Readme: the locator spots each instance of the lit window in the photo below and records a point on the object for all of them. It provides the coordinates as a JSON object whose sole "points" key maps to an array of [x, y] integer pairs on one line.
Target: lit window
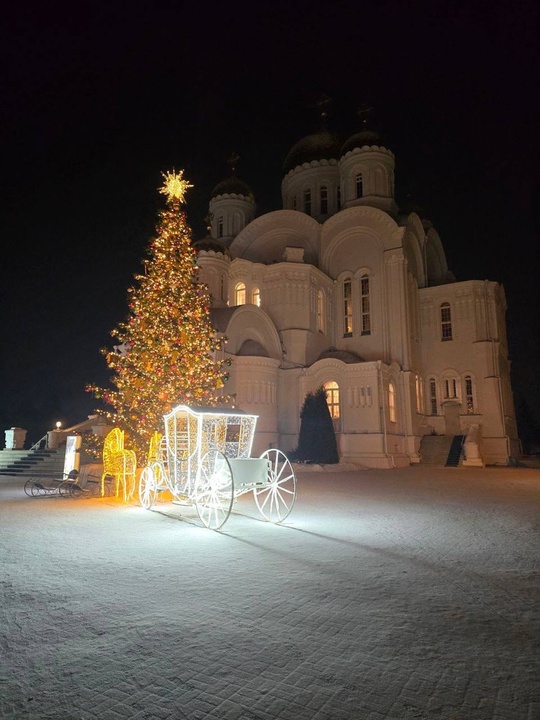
{"points": [[391, 402], [324, 200], [240, 294], [433, 397], [332, 398], [320, 311], [347, 308], [366, 311], [307, 202], [359, 186], [220, 227], [469, 399], [256, 297], [446, 322]]}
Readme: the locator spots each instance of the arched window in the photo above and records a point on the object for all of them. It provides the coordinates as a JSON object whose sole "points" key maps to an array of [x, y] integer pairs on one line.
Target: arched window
{"points": [[446, 322], [332, 398], [433, 397], [240, 294], [391, 402], [222, 287], [419, 403], [359, 186], [321, 325], [469, 397], [339, 198], [256, 297], [307, 202], [347, 307], [294, 206], [220, 227], [365, 305], [324, 200]]}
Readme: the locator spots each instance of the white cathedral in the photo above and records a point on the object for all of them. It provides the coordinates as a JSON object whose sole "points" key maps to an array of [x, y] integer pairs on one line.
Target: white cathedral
{"points": [[340, 289]]}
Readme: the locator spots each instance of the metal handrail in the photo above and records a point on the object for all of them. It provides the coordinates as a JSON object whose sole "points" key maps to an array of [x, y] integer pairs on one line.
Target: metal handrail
{"points": [[39, 446]]}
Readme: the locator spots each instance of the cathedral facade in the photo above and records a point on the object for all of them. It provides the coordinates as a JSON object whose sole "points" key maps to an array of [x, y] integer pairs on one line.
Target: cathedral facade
{"points": [[340, 289]]}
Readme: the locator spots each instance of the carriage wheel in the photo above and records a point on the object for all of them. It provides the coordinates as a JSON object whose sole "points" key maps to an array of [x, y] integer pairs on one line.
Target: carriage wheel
{"points": [[65, 489], [34, 488], [276, 499], [214, 490], [29, 488], [76, 490], [147, 487]]}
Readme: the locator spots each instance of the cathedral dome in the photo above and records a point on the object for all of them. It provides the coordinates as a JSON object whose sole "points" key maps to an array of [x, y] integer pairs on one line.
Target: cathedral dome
{"points": [[210, 244], [322, 145], [366, 136], [232, 186]]}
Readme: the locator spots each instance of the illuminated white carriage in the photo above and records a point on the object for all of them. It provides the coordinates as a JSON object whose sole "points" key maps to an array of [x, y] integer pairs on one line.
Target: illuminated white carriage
{"points": [[204, 459]]}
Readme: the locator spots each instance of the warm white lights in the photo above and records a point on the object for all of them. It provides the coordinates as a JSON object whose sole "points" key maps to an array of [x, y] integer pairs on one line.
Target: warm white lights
{"points": [[175, 186], [205, 460]]}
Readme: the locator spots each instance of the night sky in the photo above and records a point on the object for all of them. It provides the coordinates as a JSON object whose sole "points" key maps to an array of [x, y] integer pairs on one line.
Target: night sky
{"points": [[96, 106]]}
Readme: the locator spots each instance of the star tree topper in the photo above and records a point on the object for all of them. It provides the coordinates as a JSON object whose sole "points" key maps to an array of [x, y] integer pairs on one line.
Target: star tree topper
{"points": [[175, 186]]}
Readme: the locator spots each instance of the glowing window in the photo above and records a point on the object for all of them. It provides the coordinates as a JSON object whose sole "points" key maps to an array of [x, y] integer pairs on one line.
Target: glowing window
{"points": [[446, 322], [365, 304], [359, 186], [320, 311], [469, 399], [332, 398], [347, 308], [307, 202], [256, 297], [433, 397], [324, 200], [392, 402], [240, 294]]}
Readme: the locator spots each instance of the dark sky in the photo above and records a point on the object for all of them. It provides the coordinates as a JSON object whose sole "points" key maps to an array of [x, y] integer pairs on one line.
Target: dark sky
{"points": [[96, 105]]}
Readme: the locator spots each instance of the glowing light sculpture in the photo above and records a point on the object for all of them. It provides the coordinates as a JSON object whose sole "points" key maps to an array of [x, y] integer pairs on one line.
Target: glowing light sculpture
{"points": [[119, 463], [204, 459]]}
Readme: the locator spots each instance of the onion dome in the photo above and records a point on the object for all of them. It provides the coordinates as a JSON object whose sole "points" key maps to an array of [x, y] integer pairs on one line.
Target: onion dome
{"points": [[209, 243], [322, 145], [232, 186], [366, 137]]}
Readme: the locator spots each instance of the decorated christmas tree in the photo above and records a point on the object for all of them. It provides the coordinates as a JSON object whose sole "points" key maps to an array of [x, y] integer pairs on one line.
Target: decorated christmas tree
{"points": [[165, 355]]}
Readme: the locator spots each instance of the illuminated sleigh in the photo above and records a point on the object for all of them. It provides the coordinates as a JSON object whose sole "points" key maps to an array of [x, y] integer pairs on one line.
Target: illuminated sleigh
{"points": [[204, 460]]}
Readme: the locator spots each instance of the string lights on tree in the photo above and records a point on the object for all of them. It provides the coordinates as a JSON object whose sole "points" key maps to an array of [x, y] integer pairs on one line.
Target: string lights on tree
{"points": [[166, 350]]}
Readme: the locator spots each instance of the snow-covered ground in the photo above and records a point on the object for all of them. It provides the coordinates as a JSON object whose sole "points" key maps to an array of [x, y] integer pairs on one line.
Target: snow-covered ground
{"points": [[387, 595]]}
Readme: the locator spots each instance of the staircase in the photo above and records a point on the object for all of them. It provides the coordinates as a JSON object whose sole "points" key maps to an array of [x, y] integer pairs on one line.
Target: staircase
{"points": [[31, 462], [441, 450]]}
